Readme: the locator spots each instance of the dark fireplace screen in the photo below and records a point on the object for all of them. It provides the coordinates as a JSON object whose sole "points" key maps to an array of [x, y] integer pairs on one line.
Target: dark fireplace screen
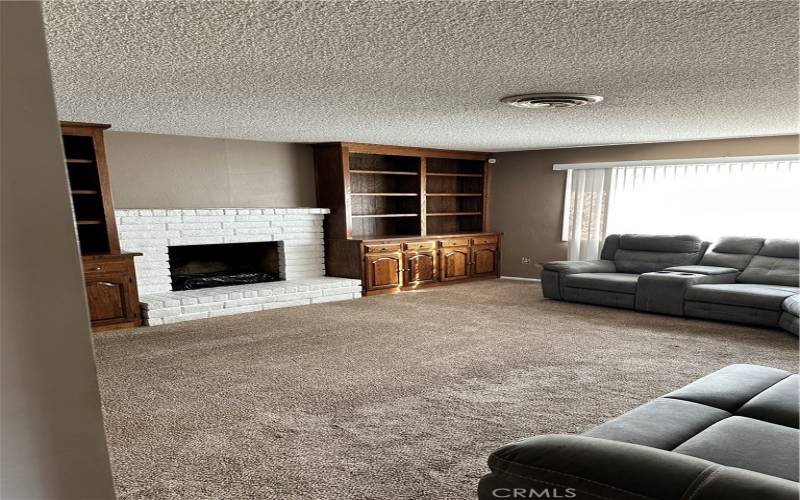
{"points": [[205, 266]]}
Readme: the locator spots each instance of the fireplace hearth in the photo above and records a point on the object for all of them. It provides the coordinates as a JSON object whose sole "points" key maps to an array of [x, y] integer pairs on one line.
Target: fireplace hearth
{"points": [[194, 267]]}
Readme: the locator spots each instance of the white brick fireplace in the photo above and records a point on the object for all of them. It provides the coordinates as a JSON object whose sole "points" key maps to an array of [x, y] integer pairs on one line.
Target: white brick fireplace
{"points": [[298, 232]]}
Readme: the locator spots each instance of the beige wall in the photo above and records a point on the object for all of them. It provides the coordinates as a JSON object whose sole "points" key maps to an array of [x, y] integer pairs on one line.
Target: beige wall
{"points": [[168, 171], [528, 196], [53, 444]]}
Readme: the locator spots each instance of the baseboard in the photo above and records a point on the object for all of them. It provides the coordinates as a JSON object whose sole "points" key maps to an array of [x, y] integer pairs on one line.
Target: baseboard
{"points": [[518, 278]]}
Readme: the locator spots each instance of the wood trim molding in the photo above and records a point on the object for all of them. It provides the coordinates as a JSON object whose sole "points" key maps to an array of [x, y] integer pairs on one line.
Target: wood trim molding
{"points": [[354, 147], [85, 125]]}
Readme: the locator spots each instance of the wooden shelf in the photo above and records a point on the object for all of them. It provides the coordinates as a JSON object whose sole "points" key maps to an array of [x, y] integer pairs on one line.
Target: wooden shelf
{"points": [[84, 191], [434, 174], [454, 194], [384, 194], [446, 214], [399, 191], [88, 222], [375, 216], [80, 160], [383, 172]]}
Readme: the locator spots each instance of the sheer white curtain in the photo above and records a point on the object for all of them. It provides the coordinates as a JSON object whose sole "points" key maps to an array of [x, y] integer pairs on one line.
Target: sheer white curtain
{"points": [[587, 202], [706, 199]]}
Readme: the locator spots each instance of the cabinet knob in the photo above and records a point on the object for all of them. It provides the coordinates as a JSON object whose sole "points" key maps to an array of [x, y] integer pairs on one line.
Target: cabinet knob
{"points": [[98, 268]]}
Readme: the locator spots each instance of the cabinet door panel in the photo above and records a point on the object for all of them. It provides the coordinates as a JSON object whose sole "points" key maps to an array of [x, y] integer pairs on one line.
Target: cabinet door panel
{"points": [[484, 260], [107, 299], [383, 271], [420, 267], [454, 263]]}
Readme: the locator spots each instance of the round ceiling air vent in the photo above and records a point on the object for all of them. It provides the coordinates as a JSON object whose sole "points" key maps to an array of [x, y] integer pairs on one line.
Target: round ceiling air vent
{"points": [[551, 100]]}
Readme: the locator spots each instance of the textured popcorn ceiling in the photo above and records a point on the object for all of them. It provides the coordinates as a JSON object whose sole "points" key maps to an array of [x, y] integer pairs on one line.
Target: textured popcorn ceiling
{"points": [[429, 73]]}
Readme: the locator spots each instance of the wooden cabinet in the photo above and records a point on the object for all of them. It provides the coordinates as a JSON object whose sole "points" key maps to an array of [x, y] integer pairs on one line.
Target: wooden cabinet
{"points": [[109, 274], [420, 267], [484, 260], [383, 271], [455, 263], [111, 291], [107, 299], [403, 218], [391, 266]]}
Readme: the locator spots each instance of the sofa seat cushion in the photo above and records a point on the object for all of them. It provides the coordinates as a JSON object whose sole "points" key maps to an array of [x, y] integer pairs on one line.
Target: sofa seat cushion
{"points": [[663, 423], [748, 444], [779, 404], [610, 282], [768, 297], [730, 388]]}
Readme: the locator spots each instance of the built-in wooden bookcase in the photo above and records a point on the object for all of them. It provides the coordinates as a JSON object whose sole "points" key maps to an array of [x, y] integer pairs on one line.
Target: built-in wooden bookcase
{"points": [[384, 194], [84, 153], [383, 191], [109, 274], [398, 214], [455, 195]]}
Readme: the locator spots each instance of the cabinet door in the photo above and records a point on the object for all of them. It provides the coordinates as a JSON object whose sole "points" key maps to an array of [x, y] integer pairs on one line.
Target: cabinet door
{"points": [[484, 260], [454, 263], [420, 267], [107, 298], [383, 271]]}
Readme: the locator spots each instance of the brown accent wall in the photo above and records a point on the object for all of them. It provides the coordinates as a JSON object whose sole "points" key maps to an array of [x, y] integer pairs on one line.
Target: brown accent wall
{"points": [[170, 171], [528, 196]]}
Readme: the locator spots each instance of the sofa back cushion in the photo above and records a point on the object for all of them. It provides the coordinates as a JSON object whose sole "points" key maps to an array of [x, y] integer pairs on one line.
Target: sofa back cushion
{"points": [[777, 263], [642, 253], [610, 247], [732, 251]]}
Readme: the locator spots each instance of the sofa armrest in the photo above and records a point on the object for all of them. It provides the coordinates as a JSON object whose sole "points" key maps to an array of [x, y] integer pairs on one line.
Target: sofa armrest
{"points": [[552, 272], [580, 266], [585, 468], [707, 270]]}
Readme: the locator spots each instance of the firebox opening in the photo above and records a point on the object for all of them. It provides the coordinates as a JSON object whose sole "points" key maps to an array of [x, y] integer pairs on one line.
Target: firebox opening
{"points": [[205, 266]]}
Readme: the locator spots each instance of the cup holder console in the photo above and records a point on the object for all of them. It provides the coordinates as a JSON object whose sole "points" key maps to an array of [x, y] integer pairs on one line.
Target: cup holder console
{"points": [[663, 291]]}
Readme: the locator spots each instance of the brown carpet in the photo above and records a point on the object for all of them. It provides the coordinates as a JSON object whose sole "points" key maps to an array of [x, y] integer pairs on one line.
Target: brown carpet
{"points": [[390, 397]]}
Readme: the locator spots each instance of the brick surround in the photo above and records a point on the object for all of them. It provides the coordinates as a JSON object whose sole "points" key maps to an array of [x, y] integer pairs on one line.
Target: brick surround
{"points": [[298, 232]]}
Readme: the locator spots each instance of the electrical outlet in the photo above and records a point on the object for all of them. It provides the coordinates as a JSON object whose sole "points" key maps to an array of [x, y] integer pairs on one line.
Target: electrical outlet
{"points": [[526, 260]]}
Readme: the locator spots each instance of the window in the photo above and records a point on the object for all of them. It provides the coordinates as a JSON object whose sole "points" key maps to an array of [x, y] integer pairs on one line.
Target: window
{"points": [[756, 197]]}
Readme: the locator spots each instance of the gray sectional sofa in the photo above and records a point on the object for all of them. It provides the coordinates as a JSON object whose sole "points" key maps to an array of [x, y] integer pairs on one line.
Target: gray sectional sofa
{"points": [[743, 280], [731, 435]]}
